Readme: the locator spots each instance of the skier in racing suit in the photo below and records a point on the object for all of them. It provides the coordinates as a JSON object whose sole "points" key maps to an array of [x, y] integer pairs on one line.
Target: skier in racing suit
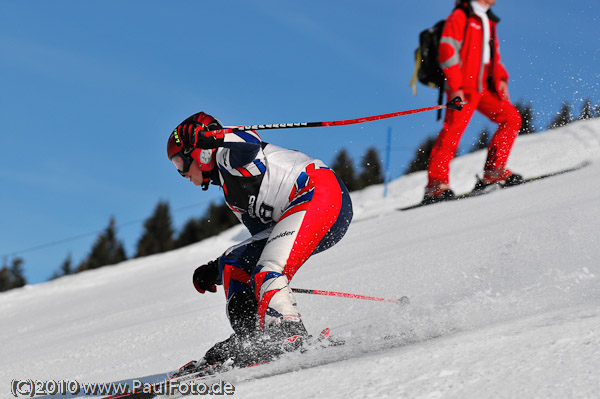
{"points": [[294, 206]]}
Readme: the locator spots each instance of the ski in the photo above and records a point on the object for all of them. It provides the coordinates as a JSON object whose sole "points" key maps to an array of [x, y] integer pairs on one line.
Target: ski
{"points": [[203, 379], [477, 193]]}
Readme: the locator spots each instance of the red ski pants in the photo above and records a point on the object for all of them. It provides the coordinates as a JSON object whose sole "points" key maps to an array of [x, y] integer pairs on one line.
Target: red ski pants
{"points": [[497, 110]]}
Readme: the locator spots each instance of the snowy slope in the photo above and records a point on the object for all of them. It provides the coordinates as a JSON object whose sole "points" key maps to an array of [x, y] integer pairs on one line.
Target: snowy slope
{"points": [[505, 296]]}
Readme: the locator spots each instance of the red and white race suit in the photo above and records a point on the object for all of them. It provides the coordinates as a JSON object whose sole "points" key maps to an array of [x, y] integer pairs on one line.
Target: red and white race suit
{"points": [[293, 205]]}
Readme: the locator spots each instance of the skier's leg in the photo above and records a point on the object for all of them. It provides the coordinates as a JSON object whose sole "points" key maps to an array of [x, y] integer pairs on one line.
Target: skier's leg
{"points": [[446, 144], [318, 216], [235, 267], [508, 119]]}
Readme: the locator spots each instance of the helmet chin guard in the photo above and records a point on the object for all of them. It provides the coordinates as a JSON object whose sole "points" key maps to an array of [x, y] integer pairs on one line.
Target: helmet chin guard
{"points": [[205, 180]]}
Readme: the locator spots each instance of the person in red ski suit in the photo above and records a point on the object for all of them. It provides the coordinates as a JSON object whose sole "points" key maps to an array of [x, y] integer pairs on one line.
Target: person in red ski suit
{"points": [[470, 60], [294, 206]]}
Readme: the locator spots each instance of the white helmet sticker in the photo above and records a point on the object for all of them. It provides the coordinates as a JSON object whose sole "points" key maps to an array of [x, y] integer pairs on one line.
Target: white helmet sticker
{"points": [[206, 156]]}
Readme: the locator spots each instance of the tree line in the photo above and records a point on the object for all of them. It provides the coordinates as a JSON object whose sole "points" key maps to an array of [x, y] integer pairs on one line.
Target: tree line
{"points": [[159, 236]]}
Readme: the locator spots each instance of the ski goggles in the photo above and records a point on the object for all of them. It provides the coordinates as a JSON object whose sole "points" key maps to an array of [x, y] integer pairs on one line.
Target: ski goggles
{"points": [[182, 162]]}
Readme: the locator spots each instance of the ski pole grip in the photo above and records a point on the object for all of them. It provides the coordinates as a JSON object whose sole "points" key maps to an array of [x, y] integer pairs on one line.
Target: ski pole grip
{"points": [[456, 104]]}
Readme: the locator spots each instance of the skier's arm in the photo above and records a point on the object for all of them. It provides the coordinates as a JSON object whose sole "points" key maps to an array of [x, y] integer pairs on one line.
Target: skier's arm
{"points": [[503, 90], [500, 73], [243, 148], [451, 42]]}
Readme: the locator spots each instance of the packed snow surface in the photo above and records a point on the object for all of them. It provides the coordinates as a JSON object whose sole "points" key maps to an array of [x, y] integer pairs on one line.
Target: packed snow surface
{"points": [[504, 290]]}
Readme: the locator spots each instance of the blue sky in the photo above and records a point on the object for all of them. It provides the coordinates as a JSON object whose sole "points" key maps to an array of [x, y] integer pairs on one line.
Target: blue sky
{"points": [[92, 89]]}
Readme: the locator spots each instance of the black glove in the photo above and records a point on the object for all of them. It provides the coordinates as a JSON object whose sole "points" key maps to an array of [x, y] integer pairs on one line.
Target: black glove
{"points": [[191, 131], [206, 277]]}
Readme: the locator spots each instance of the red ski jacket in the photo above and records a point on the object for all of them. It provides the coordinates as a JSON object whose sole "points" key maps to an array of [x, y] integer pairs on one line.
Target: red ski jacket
{"points": [[461, 53]]}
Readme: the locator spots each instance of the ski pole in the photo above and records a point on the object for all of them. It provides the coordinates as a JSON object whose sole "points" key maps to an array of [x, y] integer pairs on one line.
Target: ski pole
{"points": [[456, 104], [402, 301]]}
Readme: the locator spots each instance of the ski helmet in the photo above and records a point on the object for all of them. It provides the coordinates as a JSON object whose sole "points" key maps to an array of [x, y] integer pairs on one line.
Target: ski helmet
{"points": [[182, 156]]}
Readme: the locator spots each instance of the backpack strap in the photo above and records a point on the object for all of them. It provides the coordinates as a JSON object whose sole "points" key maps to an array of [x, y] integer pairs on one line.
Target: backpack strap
{"points": [[413, 80]]}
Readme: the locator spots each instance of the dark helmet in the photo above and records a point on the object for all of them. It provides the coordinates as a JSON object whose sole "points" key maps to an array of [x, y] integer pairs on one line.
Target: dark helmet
{"points": [[181, 156]]}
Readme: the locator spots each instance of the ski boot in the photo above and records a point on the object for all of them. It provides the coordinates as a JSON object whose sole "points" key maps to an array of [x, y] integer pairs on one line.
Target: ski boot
{"points": [[437, 193], [494, 179]]}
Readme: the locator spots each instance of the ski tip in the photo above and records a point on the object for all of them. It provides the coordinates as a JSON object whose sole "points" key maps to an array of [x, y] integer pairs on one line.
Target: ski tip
{"points": [[325, 339], [325, 333]]}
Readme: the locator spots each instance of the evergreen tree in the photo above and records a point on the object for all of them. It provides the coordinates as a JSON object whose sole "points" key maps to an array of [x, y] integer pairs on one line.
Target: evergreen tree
{"points": [[5, 279], [18, 278], [586, 111], [190, 233], [107, 250], [158, 232], [67, 266], [526, 112], [12, 277], [563, 118], [421, 160], [372, 172], [217, 219], [343, 166], [482, 141], [65, 269]]}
